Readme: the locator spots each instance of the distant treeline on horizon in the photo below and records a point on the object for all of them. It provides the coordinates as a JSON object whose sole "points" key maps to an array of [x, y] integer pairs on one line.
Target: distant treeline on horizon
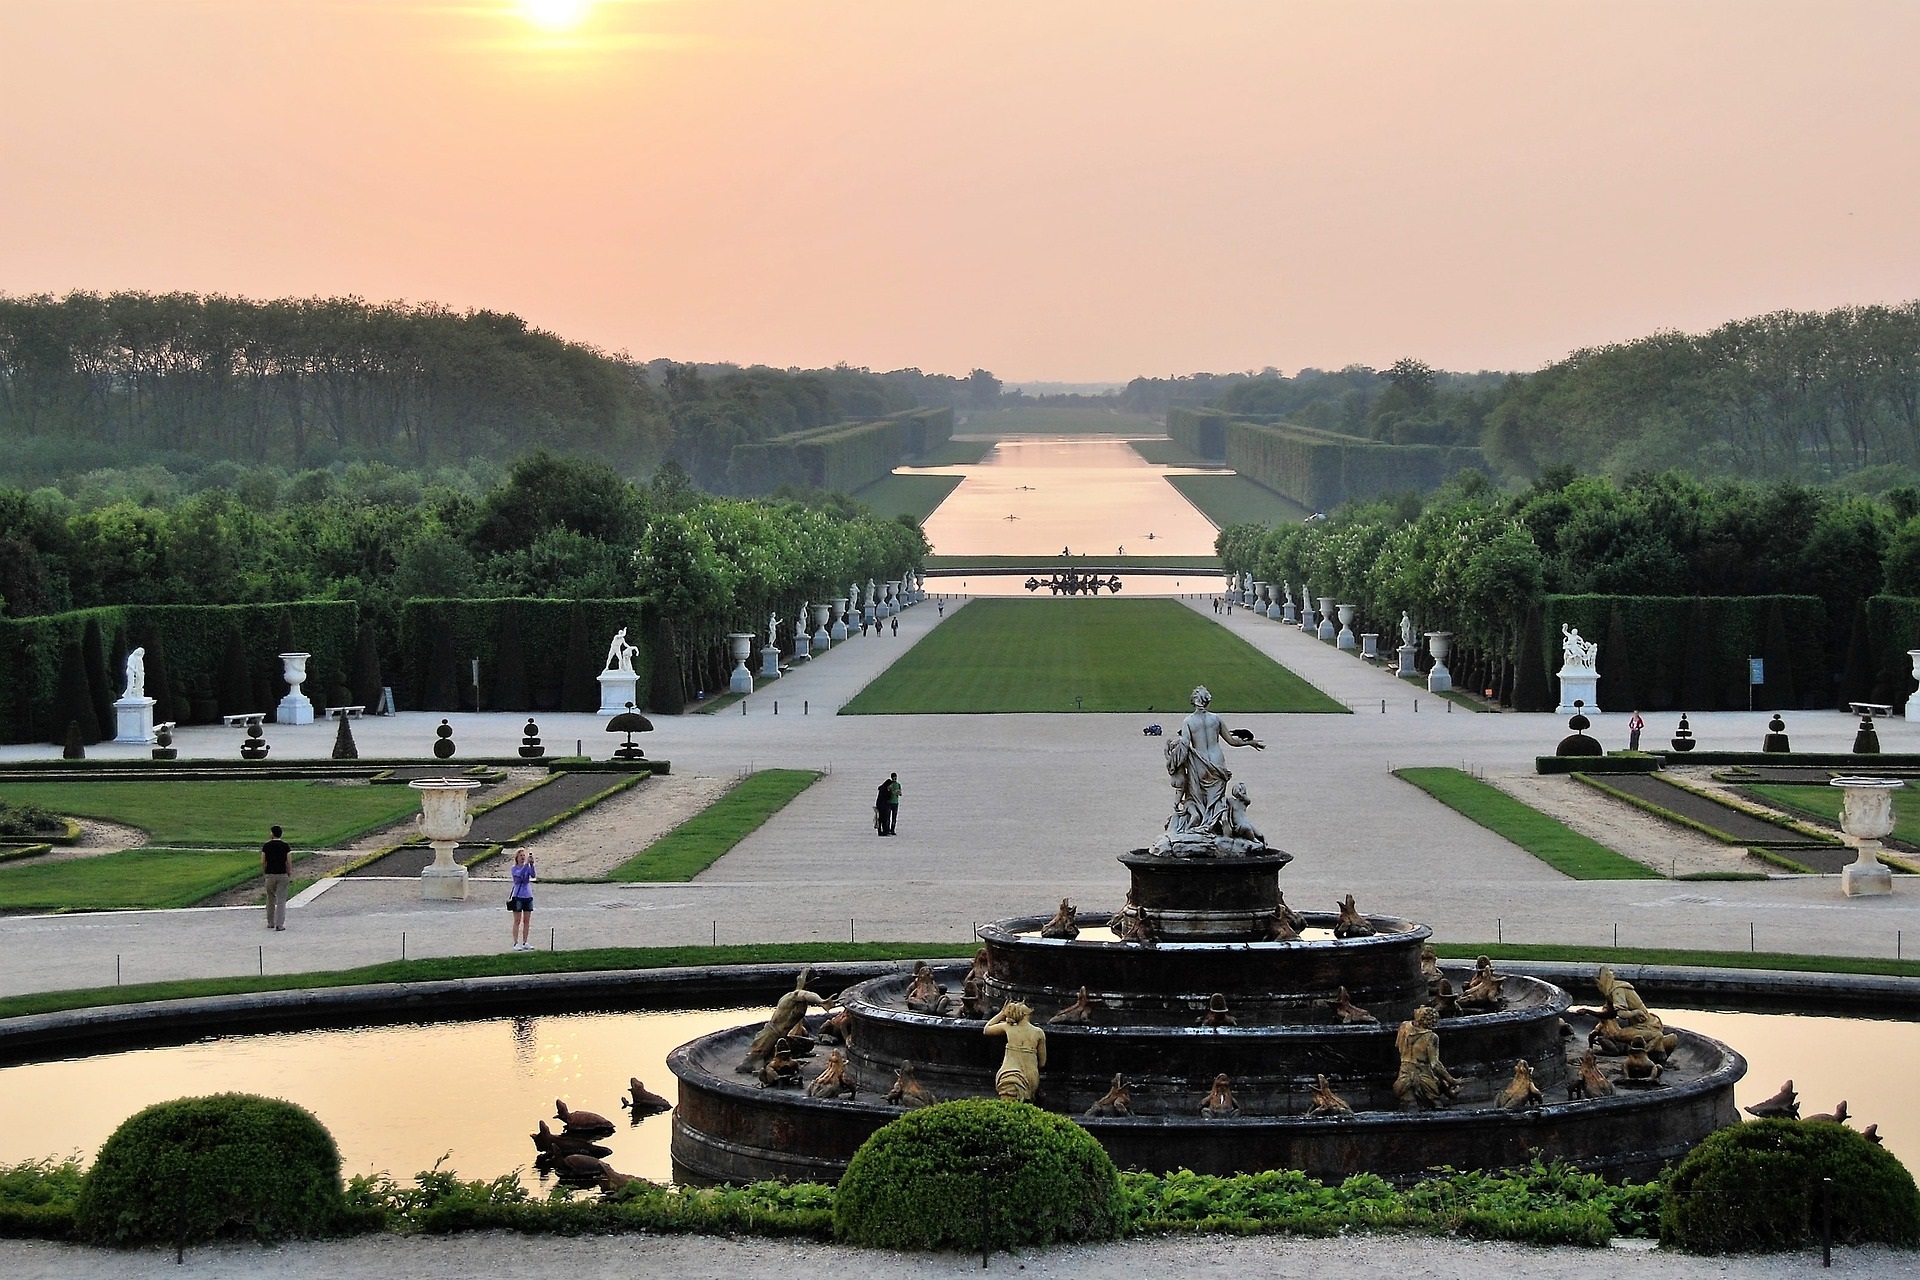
{"points": [[96, 381]]}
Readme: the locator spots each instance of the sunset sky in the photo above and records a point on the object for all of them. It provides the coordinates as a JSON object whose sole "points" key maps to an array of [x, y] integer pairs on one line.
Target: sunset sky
{"points": [[1062, 189]]}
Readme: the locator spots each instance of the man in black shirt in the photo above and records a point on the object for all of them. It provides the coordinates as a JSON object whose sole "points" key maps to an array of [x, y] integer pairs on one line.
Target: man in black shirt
{"points": [[276, 868]]}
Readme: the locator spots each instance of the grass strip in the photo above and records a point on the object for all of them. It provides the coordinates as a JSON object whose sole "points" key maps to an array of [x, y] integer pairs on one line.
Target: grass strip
{"points": [[1679, 958], [703, 839], [592, 960], [212, 815], [1231, 498], [997, 656], [1823, 803], [18, 852], [1546, 838], [1171, 453], [892, 496], [127, 880]]}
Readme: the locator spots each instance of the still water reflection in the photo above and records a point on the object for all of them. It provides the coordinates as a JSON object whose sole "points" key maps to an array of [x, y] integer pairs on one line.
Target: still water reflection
{"points": [[1093, 494], [397, 1098]]}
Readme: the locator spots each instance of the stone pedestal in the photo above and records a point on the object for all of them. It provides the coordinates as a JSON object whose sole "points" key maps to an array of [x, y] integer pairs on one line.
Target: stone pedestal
{"points": [[770, 663], [1289, 614], [1327, 629], [822, 639], [133, 720], [294, 708], [617, 689], [1578, 684], [1439, 680], [1407, 667], [741, 681], [1345, 639], [1370, 645], [1275, 613], [802, 646], [838, 631], [1866, 815], [1912, 710], [443, 819]]}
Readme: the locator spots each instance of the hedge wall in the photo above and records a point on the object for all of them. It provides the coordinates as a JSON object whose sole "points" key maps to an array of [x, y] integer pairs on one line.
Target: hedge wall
{"points": [[843, 456], [1322, 469], [192, 638], [1201, 432], [1689, 653], [1893, 627], [562, 643]]}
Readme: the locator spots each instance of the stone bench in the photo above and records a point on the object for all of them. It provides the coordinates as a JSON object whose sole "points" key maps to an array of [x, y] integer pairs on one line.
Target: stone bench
{"points": [[346, 713], [242, 721]]}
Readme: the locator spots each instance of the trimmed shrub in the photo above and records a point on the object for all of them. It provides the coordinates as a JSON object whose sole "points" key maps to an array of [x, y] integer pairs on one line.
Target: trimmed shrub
{"points": [[29, 820], [1756, 1188], [197, 1169], [100, 685], [37, 1197], [938, 1178]]}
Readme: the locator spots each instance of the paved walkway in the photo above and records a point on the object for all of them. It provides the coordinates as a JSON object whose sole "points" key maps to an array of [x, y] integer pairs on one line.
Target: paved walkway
{"points": [[1002, 815]]}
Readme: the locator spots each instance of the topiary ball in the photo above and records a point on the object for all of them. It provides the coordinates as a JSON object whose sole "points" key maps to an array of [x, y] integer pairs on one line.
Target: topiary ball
{"points": [[937, 1178], [195, 1169], [1756, 1188]]}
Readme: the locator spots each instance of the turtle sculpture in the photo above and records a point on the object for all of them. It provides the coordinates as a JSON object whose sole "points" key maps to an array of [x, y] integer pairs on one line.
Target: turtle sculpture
{"points": [[1836, 1116], [1784, 1105], [1351, 923], [641, 1101], [782, 1070], [581, 1123]]}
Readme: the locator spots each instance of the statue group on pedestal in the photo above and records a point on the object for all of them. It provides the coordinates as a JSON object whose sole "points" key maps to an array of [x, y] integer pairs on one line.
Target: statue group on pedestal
{"points": [[1209, 814]]}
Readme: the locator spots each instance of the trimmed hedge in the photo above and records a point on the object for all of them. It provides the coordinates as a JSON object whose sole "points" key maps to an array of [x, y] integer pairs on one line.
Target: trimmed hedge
{"points": [[1689, 653], [562, 643], [194, 638], [939, 1177], [1323, 469], [198, 1169], [1756, 1188], [842, 456], [1893, 627], [1201, 432]]}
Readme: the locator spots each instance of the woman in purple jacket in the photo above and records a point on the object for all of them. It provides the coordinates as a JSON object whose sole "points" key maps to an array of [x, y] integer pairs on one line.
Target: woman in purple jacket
{"points": [[520, 900]]}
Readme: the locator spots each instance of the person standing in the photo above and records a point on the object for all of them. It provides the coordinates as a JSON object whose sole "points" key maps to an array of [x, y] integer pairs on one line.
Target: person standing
{"points": [[880, 808], [1634, 726], [896, 626], [276, 869], [892, 792], [520, 900]]}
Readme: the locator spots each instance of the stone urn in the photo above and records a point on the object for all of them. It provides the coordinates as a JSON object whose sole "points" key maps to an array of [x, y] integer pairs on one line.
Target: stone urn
{"points": [[1912, 709], [1258, 600], [742, 679], [1866, 815], [295, 708], [1327, 631], [837, 628], [1345, 638], [1439, 680], [822, 638], [443, 819], [1274, 612]]}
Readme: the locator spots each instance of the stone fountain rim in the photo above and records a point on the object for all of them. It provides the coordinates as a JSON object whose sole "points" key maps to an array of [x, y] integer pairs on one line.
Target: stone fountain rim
{"points": [[445, 784], [1882, 784], [1389, 931]]}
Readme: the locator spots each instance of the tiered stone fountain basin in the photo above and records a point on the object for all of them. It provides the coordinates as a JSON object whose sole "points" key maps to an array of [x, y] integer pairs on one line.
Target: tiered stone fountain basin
{"points": [[1211, 915]]}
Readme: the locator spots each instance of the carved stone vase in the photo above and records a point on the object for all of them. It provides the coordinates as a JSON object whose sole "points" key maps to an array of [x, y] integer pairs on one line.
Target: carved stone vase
{"points": [[1439, 680], [837, 630], [742, 679], [443, 819], [1345, 639], [295, 708], [1866, 815], [1327, 630]]}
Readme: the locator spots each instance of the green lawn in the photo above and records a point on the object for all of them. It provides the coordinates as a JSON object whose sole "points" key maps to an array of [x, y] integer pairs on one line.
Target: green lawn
{"points": [[132, 879], [1171, 453], [1548, 839], [1824, 802], [916, 496], [211, 814], [703, 839], [1035, 420], [1234, 499], [1112, 655]]}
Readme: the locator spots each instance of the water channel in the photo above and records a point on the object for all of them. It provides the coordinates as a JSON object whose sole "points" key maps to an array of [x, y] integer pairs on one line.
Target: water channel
{"points": [[397, 1098]]}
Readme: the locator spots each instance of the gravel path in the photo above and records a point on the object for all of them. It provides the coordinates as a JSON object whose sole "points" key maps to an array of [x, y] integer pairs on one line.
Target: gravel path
{"points": [[616, 829], [697, 1258], [1665, 846]]}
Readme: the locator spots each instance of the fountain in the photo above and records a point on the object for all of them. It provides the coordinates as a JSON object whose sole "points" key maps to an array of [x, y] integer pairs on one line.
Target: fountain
{"points": [[1206, 981], [443, 819]]}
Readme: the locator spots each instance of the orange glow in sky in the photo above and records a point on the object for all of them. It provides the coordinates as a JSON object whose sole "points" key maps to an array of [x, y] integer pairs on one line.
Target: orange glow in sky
{"points": [[1077, 189]]}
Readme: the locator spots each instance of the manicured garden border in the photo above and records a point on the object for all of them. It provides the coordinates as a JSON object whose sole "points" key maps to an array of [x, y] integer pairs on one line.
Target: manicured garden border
{"points": [[1545, 837], [706, 837], [1660, 811]]}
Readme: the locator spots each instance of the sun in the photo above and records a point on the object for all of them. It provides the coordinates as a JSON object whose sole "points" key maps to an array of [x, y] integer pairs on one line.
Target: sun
{"points": [[556, 15]]}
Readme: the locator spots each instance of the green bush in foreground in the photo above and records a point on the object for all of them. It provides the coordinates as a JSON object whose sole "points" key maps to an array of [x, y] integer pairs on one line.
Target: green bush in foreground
{"points": [[1756, 1188], [37, 1197], [939, 1178], [196, 1169]]}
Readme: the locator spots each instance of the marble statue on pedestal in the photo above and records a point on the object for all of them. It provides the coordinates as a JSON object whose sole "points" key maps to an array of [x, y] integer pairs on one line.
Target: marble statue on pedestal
{"points": [[1579, 673], [1208, 816], [619, 684], [133, 713], [620, 653]]}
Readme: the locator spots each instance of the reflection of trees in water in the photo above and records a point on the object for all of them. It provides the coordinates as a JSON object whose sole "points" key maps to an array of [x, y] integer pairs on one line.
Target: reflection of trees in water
{"points": [[526, 1044]]}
